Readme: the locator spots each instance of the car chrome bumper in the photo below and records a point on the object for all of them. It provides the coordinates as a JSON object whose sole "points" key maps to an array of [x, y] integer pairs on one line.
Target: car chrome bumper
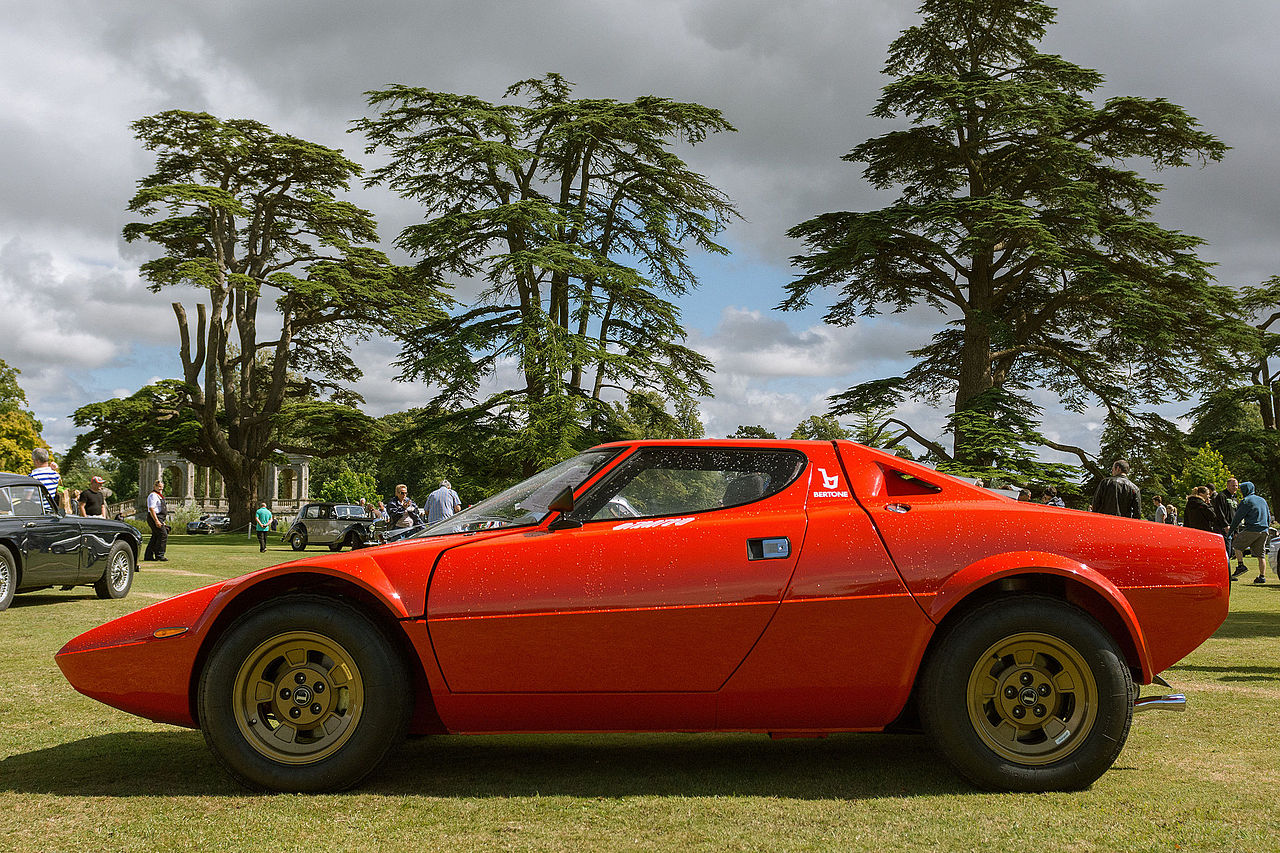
{"points": [[1167, 702]]}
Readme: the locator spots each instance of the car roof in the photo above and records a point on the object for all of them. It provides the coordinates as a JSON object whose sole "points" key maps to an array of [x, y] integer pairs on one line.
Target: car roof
{"points": [[8, 479]]}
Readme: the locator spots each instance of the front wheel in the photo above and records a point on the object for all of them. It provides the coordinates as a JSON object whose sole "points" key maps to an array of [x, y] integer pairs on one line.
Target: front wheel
{"points": [[8, 578], [1028, 694], [303, 694], [117, 578], [298, 541]]}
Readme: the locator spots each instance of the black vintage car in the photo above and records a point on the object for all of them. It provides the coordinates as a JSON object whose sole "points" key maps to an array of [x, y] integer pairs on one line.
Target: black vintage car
{"points": [[40, 547], [209, 524], [331, 524]]}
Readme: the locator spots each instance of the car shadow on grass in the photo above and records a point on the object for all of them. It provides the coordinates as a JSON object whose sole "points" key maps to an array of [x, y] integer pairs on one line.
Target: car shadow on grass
{"points": [[1245, 624], [847, 767], [1236, 673]]}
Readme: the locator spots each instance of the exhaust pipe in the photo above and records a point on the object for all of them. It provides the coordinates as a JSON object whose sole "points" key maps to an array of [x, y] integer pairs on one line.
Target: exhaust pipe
{"points": [[1168, 702], [1171, 702]]}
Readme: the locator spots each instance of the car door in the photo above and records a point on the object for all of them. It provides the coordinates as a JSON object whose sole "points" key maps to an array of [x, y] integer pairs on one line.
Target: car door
{"points": [[49, 542], [679, 562]]}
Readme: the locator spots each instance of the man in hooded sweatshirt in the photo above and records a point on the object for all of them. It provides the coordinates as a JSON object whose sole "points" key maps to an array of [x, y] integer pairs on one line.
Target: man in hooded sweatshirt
{"points": [[1249, 531]]}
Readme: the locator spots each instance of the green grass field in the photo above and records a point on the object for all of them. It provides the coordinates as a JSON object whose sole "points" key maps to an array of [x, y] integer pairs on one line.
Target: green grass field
{"points": [[77, 775]]}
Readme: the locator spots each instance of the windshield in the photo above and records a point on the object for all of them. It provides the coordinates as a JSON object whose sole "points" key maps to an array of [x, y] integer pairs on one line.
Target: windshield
{"points": [[524, 504]]}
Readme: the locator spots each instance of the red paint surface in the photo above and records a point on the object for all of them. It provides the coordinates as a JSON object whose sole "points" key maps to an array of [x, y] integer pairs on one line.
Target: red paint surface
{"points": [[660, 629]]}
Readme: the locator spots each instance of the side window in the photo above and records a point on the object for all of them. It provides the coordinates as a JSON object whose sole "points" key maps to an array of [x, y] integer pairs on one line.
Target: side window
{"points": [[6, 506], [312, 511], [28, 501], [676, 481]]}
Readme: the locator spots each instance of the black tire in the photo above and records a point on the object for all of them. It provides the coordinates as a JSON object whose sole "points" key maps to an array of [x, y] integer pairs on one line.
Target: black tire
{"points": [[117, 577], [298, 540], [8, 577], [356, 708], [335, 546], [353, 541], [1028, 694]]}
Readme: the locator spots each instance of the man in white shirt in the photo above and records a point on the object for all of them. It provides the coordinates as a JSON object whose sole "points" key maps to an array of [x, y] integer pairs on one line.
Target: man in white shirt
{"points": [[156, 514]]}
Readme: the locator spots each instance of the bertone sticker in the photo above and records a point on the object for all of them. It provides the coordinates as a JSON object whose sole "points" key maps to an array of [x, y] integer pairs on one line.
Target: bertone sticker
{"points": [[830, 486], [653, 522]]}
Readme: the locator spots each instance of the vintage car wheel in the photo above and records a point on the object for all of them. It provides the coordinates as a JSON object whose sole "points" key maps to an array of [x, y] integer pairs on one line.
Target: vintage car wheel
{"points": [[1028, 694], [298, 541], [303, 694], [353, 541], [117, 578], [8, 578], [335, 546]]}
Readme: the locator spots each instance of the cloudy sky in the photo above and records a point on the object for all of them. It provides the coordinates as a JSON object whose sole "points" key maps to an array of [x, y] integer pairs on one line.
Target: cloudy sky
{"points": [[797, 79]]}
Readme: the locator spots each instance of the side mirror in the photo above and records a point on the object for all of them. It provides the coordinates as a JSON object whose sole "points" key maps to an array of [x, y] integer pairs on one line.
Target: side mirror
{"points": [[562, 502]]}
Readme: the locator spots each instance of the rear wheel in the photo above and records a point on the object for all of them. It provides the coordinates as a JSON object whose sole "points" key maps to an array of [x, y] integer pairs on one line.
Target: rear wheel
{"points": [[117, 578], [1028, 694], [8, 577], [303, 694], [298, 540]]}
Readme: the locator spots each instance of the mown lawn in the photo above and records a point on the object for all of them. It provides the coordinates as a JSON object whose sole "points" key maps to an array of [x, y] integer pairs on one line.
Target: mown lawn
{"points": [[77, 775]]}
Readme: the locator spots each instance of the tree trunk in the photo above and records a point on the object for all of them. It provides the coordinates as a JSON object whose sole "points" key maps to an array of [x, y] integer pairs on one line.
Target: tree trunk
{"points": [[974, 378], [242, 494]]}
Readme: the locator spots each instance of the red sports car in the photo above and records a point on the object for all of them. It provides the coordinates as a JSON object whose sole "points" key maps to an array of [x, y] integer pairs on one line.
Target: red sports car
{"points": [[791, 588]]}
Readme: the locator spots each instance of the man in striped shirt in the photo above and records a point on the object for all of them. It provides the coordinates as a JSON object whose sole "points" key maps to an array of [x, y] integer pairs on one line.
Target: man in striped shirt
{"points": [[45, 473]]}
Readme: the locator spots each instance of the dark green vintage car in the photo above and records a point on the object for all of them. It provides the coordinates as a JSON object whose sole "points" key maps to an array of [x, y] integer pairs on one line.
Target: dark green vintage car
{"points": [[40, 547]]}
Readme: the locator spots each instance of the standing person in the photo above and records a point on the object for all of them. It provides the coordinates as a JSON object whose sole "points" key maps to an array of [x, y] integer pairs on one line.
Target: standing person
{"points": [[402, 511], [93, 502], [1249, 531], [157, 512], [1225, 503], [261, 524], [442, 503], [1198, 514], [1117, 494], [1170, 514], [46, 472], [1051, 497], [1161, 514]]}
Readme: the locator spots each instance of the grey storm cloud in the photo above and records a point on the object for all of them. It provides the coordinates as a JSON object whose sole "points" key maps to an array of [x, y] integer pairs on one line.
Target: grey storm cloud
{"points": [[797, 79]]}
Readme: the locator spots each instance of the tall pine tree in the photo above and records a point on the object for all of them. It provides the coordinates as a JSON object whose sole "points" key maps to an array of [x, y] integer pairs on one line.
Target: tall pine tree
{"points": [[1021, 220]]}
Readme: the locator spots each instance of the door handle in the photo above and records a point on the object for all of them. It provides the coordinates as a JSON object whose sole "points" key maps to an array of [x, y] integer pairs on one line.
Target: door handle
{"points": [[898, 507], [770, 548], [29, 524]]}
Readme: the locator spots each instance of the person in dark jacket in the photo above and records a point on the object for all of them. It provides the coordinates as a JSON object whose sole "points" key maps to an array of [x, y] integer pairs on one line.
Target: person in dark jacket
{"points": [[1198, 514], [1249, 528], [1224, 505], [1117, 494]]}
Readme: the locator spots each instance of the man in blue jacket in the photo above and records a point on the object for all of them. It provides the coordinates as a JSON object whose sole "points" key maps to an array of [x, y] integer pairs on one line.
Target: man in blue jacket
{"points": [[1249, 531]]}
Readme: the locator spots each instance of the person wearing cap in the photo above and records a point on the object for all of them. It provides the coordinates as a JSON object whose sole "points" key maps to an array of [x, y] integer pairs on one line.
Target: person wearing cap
{"points": [[93, 501]]}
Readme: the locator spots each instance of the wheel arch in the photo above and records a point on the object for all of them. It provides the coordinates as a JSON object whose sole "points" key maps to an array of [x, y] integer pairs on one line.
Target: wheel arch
{"points": [[1074, 584], [324, 586], [17, 561], [128, 540]]}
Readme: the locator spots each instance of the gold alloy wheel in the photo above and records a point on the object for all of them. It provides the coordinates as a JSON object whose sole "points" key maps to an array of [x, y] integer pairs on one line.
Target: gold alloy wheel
{"points": [[298, 697], [1032, 698]]}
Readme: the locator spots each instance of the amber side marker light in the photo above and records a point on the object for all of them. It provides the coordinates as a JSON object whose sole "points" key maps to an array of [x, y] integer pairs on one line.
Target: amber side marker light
{"points": [[162, 633]]}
